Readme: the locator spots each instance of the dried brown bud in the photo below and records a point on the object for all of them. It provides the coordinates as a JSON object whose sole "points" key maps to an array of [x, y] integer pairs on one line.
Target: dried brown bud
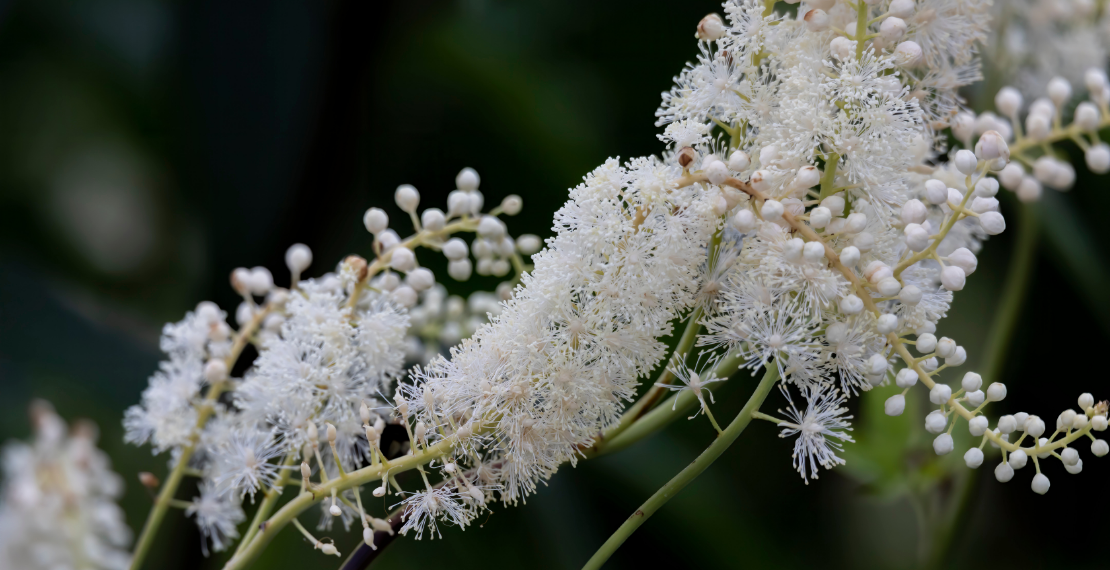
{"points": [[358, 264], [686, 156], [149, 480]]}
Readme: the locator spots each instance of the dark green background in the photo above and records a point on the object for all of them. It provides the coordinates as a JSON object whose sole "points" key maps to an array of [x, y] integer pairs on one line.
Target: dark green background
{"points": [[246, 126]]}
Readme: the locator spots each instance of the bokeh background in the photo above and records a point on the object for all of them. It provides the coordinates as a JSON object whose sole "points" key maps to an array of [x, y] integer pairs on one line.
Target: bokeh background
{"points": [[148, 147]]}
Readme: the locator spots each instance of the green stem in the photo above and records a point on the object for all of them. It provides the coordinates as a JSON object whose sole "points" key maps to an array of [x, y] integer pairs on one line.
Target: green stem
{"points": [[828, 179], [684, 477]]}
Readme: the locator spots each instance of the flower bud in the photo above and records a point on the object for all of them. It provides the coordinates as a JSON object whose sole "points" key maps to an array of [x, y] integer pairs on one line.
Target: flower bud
{"points": [[1040, 483], [1008, 101], [943, 444], [935, 422], [849, 256], [716, 172], [1087, 116], [917, 237], [851, 305], [297, 258], [953, 278], [973, 457], [1098, 158], [817, 20], [772, 210], [215, 370], [940, 394], [910, 295], [1018, 459], [964, 259], [895, 405], [1059, 90], [908, 54], [892, 29], [1100, 448], [888, 287], [992, 146], [914, 212], [710, 28], [407, 198], [1003, 472], [977, 426], [906, 378], [1011, 176], [966, 162], [936, 192], [842, 48], [375, 220], [467, 179]]}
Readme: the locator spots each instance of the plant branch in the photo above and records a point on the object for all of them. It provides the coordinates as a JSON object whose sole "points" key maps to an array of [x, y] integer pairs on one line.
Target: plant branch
{"points": [[684, 477]]}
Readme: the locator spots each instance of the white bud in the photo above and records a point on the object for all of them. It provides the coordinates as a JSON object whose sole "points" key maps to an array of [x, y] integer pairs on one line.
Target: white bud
{"points": [[215, 370], [940, 394], [910, 295], [817, 20], [420, 279], [792, 249], [1011, 176], [966, 162], [971, 382], [936, 192], [1098, 158], [312, 433], [512, 205], [935, 422], [1100, 448], [930, 364], [986, 187], [1040, 481], [973, 457], [1008, 101], [1018, 459], [943, 444], [877, 364], [917, 237], [835, 204], [717, 172], [405, 296], [926, 343], [402, 259], [1099, 423], [407, 198], [1003, 472], [328, 549], [964, 259], [889, 287], [813, 251], [842, 48], [388, 239], [851, 305], [953, 278], [1074, 469], [1059, 90], [902, 8], [455, 249], [992, 222], [895, 405], [379, 491], [907, 54], [1034, 426], [467, 179], [808, 176], [976, 397], [1095, 79], [297, 258], [491, 227], [857, 222], [958, 357], [772, 210], [819, 217], [460, 269], [977, 426], [963, 126], [946, 347], [1086, 401], [739, 161], [335, 510], [528, 244], [1087, 116], [1007, 424], [906, 378], [914, 212], [849, 256], [375, 220], [1080, 421], [892, 29], [744, 221], [992, 146], [710, 28], [1070, 456], [1029, 190], [1038, 125]]}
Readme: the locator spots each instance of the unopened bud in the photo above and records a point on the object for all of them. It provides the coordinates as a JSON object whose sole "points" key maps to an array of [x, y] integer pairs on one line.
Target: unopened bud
{"points": [[149, 480], [686, 157], [710, 28]]}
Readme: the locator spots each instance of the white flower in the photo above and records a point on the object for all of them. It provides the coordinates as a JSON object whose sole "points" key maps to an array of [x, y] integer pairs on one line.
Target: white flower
{"points": [[428, 508], [217, 516], [821, 429], [692, 381]]}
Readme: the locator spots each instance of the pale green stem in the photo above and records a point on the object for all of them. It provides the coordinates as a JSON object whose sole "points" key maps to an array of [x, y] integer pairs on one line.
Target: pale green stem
{"points": [[684, 477]]}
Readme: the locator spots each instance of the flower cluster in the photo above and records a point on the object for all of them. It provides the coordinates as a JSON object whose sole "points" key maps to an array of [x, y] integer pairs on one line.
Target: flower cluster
{"points": [[58, 501], [807, 217]]}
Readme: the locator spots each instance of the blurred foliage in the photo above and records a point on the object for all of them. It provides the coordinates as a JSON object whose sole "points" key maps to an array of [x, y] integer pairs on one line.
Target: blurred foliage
{"points": [[147, 147]]}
